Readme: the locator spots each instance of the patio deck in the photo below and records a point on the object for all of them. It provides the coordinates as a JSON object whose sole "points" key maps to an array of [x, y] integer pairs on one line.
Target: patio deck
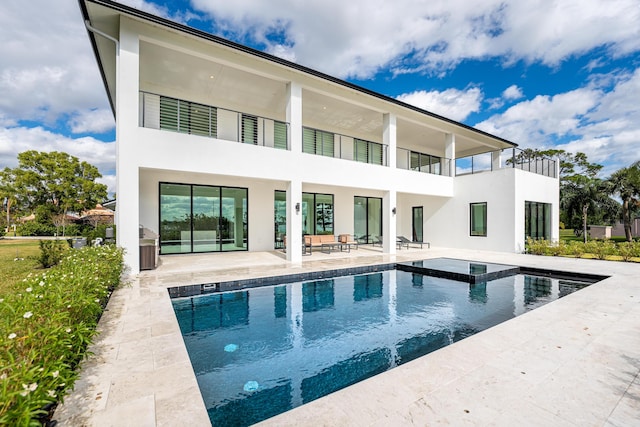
{"points": [[574, 361]]}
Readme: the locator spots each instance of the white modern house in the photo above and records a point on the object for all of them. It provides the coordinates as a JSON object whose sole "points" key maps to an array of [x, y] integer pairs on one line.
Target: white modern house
{"points": [[224, 148]]}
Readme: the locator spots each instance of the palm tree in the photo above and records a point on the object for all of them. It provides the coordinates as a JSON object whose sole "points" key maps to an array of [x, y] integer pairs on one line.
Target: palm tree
{"points": [[625, 183], [582, 195]]}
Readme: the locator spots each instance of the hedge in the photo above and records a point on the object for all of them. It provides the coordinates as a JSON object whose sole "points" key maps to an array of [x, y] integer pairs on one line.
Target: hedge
{"points": [[600, 249]]}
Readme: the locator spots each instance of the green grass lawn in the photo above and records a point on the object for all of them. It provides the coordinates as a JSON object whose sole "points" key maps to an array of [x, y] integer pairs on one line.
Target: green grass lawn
{"points": [[568, 235], [12, 268]]}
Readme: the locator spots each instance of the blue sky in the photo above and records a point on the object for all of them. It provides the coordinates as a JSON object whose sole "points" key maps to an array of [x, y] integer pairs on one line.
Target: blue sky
{"points": [[541, 73]]}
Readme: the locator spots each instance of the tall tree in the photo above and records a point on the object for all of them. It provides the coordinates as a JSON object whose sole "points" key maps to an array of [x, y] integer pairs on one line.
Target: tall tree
{"points": [[8, 192], [625, 183], [57, 180], [584, 195]]}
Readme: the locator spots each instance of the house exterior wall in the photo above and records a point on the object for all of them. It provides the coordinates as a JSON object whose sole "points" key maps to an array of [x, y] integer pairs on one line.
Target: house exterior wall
{"points": [[147, 156]]}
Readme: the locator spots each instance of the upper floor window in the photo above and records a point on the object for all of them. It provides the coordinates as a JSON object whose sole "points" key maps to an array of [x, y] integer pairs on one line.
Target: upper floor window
{"points": [[187, 117], [478, 215], [249, 129], [367, 152], [318, 142]]}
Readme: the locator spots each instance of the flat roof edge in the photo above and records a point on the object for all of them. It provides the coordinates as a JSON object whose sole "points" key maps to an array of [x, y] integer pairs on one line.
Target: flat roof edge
{"points": [[118, 7]]}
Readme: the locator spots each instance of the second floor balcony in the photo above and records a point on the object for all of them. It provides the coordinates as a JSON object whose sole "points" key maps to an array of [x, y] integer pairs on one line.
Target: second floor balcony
{"points": [[171, 114]]}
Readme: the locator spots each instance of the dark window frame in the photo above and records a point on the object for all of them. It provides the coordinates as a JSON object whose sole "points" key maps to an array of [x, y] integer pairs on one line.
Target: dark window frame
{"points": [[473, 233]]}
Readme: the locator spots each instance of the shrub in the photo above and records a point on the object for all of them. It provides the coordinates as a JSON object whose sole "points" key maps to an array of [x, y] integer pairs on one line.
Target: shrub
{"points": [[45, 327], [72, 230], [34, 228], [600, 248], [52, 251], [625, 250], [533, 247], [576, 248]]}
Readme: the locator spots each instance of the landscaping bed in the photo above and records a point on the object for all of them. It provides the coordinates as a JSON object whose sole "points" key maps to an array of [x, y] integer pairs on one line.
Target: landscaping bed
{"points": [[47, 321]]}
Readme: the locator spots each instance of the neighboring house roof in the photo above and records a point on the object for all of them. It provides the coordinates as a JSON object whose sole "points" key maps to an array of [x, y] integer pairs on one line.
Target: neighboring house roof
{"points": [[99, 210], [106, 21]]}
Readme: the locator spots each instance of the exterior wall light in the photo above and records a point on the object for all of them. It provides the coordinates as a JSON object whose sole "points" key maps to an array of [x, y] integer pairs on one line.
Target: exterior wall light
{"points": [[297, 208]]}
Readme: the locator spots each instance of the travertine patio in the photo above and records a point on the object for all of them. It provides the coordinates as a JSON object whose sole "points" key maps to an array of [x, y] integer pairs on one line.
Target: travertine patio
{"points": [[572, 362]]}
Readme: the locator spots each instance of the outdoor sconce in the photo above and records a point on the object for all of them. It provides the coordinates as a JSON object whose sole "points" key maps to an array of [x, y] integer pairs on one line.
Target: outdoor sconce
{"points": [[393, 211], [297, 208]]}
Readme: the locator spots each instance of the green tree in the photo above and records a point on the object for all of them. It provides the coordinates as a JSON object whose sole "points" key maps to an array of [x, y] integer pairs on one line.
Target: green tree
{"points": [[8, 193], [625, 183], [583, 195], [55, 182]]}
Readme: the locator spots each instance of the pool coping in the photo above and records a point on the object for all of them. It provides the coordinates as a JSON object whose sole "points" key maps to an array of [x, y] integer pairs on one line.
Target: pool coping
{"points": [[140, 371]]}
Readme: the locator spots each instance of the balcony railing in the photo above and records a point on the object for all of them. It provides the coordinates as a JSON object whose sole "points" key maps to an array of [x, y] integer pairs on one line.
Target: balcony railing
{"points": [[421, 162], [324, 143], [165, 113], [508, 158]]}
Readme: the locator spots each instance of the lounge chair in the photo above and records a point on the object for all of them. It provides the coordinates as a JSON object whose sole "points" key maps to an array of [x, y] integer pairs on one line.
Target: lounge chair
{"points": [[403, 241]]}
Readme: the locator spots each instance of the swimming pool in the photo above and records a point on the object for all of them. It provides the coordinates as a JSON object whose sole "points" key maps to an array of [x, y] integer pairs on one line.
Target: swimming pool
{"points": [[259, 352]]}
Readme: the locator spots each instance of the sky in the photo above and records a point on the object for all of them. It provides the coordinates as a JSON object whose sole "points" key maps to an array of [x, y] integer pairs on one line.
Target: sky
{"points": [[561, 74]]}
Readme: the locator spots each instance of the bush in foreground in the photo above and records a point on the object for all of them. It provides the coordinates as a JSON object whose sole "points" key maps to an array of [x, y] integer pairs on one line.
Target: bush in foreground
{"points": [[45, 327]]}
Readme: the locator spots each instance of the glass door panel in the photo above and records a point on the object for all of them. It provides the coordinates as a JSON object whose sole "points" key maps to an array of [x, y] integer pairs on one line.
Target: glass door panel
{"points": [[360, 219], [233, 219], [280, 218], [417, 234], [175, 218], [324, 214], [374, 216], [206, 211]]}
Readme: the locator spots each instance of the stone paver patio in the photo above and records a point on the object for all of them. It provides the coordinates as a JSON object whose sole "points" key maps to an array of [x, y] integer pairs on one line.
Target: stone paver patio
{"points": [[571, 362]]}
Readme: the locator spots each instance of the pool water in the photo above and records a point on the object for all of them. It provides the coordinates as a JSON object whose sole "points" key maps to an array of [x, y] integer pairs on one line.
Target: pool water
{"points": [[260, 352]]}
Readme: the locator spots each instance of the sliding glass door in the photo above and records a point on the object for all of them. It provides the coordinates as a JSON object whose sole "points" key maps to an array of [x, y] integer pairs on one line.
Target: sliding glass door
{"points": [[367, 219], [202, 218]]}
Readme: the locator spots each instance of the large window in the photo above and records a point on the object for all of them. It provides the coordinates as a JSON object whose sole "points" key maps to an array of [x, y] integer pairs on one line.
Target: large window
{"points": [[202, 218], [367, 219], [478, 214], [537, 220], [318, 142]]}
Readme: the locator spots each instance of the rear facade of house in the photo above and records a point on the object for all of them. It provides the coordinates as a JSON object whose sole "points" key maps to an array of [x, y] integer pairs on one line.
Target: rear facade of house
{"points": [[223, 148]]}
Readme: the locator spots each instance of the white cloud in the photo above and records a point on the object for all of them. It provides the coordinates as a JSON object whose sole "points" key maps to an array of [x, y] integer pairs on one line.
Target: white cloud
{"points": [[47, 68], [92, 121], [19, 139], [604, 124], [451, 103], [512, 92], [358, 38]]}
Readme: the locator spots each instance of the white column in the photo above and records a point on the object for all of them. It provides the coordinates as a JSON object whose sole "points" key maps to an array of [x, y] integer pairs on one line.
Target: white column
{"points": [[294, 116], [127, 172], [450, 152], [496, 160], [294, 222], [389, 222], [389, 137]]}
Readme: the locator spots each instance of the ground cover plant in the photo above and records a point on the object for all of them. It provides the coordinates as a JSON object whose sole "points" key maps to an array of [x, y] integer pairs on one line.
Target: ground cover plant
{"points": [[46, 322]]}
